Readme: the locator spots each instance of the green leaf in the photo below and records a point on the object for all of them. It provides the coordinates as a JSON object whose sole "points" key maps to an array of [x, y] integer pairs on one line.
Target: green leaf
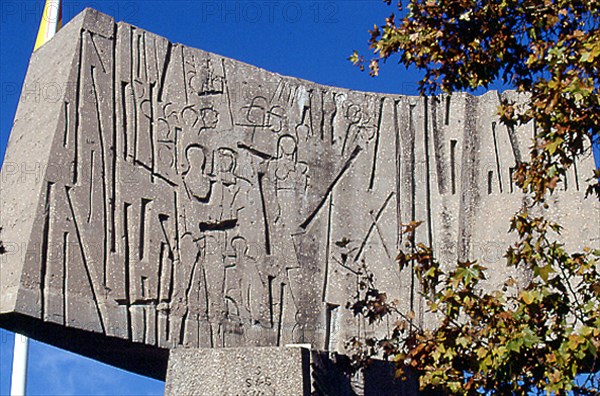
{"points": [[529, 337], [543, 272], [553, 145], [527, 296]]}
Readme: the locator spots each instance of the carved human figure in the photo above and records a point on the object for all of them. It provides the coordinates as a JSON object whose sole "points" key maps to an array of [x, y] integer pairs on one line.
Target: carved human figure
{"points": [[166, 150], [260, 113], [218, 224], [209, 118], [244, 287], [189, 306], [287, 183], [189, 117], [360, 129], [289, 175], [206, 81], [226, 201], [197, 183], [196, 326], [329, 112], [206, 118], [212, 83]]}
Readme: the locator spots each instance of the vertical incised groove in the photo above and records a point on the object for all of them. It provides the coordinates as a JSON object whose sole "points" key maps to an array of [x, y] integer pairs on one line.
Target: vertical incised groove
{"points": [[138, 58], [438, 147], [163, 255], [428, 174], [376, 150], [327, 250], [143, 220], [127, 262], [576, 174], [65, 266], [151, 125], [447, 117], [453, 144], [413, 196], [113, 147], [144, 55], [281, 312], [91, 191], [264, 213], [45, 251], [124, 121], [144, 287], [164, 72], [398, 176], [497, 154], [79, 90], [66, 126], [176, 133], [270, 279]]}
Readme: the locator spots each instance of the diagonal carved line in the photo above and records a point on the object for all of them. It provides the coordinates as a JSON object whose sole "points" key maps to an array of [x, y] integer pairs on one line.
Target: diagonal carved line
{"points": [[345, 168], [227, 94], [104, 180], [84, 258], [255, 152], [373, 225], [165, 69], [97, 52], [385, 247], [376, 150]]}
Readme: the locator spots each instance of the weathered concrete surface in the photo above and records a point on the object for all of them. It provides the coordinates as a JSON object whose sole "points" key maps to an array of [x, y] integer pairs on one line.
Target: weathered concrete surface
{"points": [[155, 196], [276, 371], [239, 371]]}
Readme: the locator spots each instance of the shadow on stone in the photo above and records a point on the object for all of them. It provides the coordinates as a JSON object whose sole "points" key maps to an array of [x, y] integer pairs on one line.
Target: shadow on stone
{"points": [[332, 374]]}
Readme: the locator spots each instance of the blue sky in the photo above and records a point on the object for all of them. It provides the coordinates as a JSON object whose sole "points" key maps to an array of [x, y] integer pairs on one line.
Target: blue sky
{"points": [[304, 38]]}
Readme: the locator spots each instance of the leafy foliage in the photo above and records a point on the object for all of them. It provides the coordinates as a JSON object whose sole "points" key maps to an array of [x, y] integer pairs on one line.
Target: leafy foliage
{"points": [[546, 49], [540, 337], [526, 337]]}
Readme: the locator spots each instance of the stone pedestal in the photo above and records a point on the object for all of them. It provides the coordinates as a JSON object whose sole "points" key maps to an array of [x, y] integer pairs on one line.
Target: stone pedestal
{"points": [[276, 371], [238, 371]]}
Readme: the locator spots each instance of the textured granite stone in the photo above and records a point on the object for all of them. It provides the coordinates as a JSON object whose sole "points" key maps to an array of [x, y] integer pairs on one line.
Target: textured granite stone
{"points": [[251, 371], [276, 371], [156, 196]]}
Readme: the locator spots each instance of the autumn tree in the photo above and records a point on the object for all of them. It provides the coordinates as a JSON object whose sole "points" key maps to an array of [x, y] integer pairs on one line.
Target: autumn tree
{"points": [[541, 337]]}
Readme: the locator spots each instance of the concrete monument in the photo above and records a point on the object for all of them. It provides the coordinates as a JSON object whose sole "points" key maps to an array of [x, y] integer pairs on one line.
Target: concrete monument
{"points": [[155, 197]]}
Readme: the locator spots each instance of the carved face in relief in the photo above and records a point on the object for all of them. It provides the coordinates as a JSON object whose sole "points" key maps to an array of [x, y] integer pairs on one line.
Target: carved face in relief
{"points": [[354, 114], [195, 178], [225, 160], [210, 118], [287, 146]]}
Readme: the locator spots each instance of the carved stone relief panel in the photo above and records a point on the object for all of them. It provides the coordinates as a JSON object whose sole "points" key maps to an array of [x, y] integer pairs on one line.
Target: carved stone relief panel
{"points": [[191, 200]]}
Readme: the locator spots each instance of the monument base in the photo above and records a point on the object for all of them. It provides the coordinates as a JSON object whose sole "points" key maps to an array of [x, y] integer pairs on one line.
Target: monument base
{"points": [[276, 371]]}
